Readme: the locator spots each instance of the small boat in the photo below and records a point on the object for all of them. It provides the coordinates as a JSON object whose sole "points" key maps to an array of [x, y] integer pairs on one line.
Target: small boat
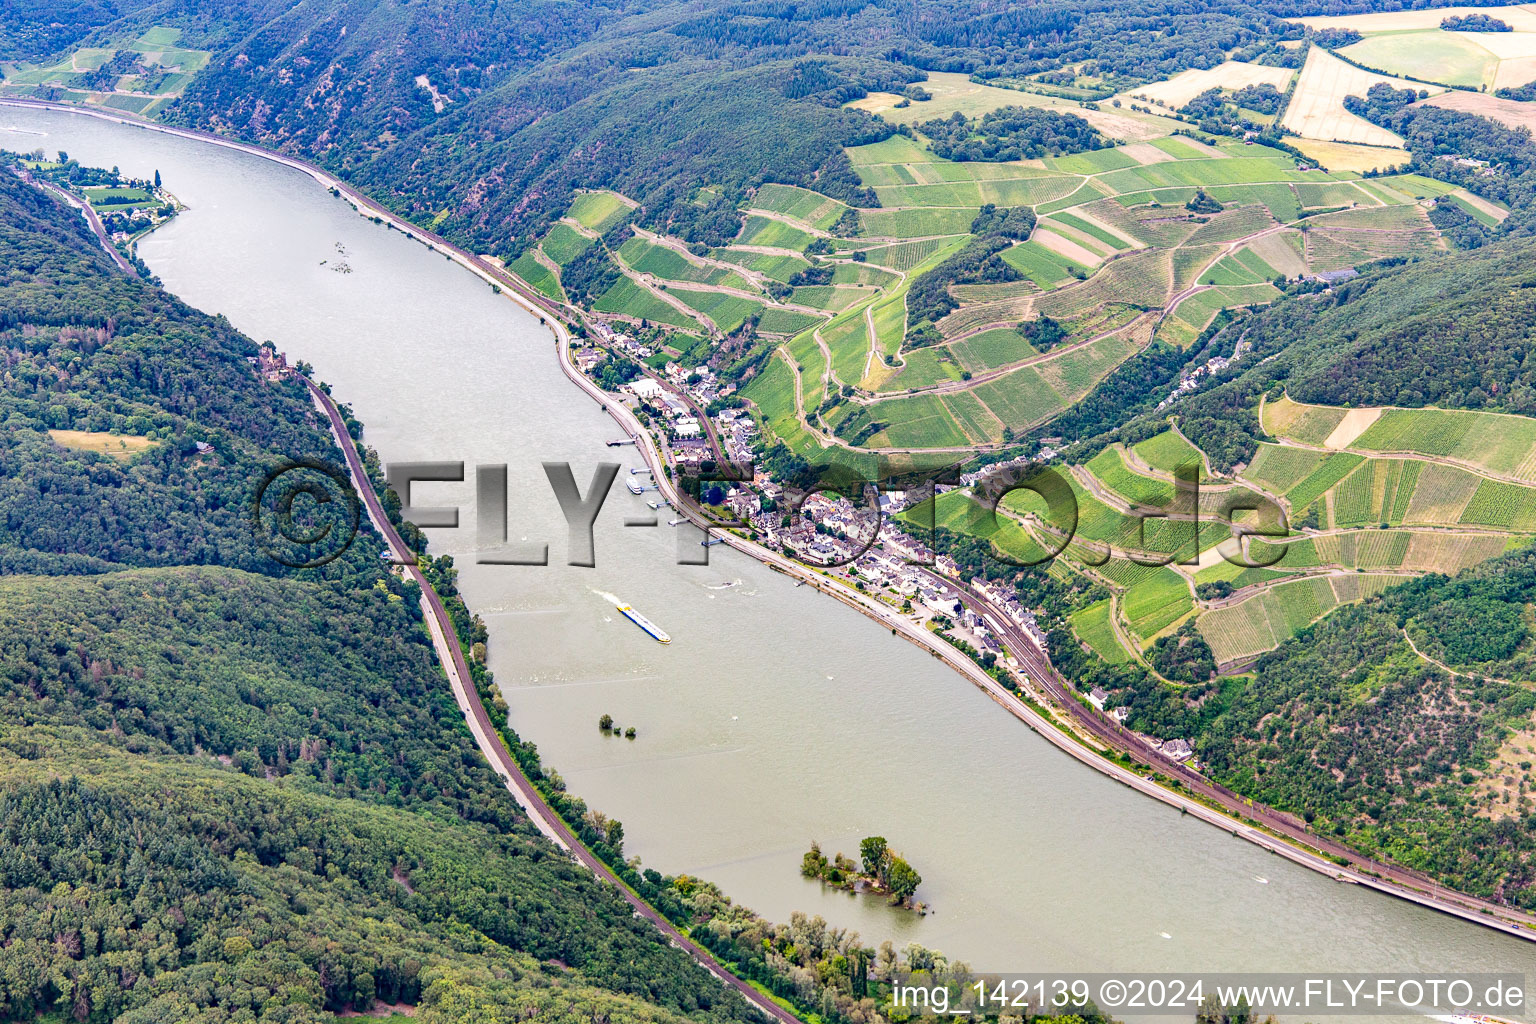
{"points": [[633, 485], [675, 522], [656, 632]]}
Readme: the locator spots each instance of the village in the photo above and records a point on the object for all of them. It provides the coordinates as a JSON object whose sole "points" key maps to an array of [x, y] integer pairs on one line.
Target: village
{"points": [[858, 545]]}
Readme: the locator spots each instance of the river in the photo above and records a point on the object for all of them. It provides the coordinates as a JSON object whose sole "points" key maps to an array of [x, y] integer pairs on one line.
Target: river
{"points": [[776, 716]]}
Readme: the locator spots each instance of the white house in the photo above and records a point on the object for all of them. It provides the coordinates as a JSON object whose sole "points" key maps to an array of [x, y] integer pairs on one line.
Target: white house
{"points": [[1177, 750], [644, 388]]}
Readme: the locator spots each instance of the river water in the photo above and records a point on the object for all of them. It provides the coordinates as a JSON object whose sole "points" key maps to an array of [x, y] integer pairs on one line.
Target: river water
{"points": [[776, 716]]}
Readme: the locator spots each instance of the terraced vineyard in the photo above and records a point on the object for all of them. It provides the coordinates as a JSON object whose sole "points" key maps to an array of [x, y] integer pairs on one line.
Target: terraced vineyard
{"points": [[1115, 260], [1118, 257], [1344, 524], [1112, 233], [1115, 256], [1371, 520], [1272, 615]]}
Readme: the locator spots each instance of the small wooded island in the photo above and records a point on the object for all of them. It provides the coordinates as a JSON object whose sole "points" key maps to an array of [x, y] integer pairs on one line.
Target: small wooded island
{"points": [[879, 869]]}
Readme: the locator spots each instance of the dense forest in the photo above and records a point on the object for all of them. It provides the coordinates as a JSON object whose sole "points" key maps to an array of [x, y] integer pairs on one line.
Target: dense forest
{"points": [[1490, 159], [1473, 23], [1011, 133], [230, 790], [83, 350], [1348, 727]]}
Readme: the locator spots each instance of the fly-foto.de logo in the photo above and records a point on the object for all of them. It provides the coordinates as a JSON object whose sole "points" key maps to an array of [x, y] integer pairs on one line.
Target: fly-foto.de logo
{"points": [[305, 513]]}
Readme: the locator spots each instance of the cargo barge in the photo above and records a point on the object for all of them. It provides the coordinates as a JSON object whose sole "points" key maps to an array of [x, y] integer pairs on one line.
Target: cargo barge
{"points": [[656, 632]]}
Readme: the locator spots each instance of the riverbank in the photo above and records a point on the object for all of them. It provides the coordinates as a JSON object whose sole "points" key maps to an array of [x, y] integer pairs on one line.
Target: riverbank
{"points": [[1047, 729], [451, 655]]}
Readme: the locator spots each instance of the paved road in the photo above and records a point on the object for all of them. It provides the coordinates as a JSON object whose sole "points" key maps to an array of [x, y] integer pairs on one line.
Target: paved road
{"points": [[485, 733], [950, 386], [86, 211], [1229, 248]]}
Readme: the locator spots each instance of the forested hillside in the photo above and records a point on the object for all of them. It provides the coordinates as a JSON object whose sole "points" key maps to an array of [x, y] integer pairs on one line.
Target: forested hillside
{"points": [[481, 119], [1406, 759], [91, 352], [230, 790], [32, 30]]}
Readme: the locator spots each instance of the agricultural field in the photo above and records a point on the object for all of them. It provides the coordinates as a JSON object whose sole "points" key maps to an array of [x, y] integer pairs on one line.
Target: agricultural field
{"points": [[1412, 44], [1348, 156], [659, 261], [1380, 519], [1309, 424], [1181, 88], [1094, 628], [812, 208], [100, 197], [599, 211], [528, 267], [954, 92], [1167, 451], [957, 512], [1450, 58], [1501, 445], [1153, 598], [121, 447], [136, 76], [1431, 501], [563, 243], [1316, 111], [1115, 259], [1486, 212], [770, 233], [726, 312], [1106, 237], [1383, 516], [1521, 18], [1511, 112], [1275, 614], [629, 299]]}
